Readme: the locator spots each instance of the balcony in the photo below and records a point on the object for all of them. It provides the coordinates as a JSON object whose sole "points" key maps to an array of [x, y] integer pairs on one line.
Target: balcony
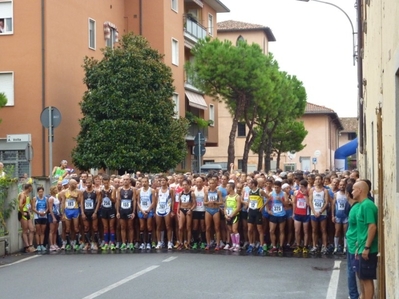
{"points": [[193, 131], [193, 30]]}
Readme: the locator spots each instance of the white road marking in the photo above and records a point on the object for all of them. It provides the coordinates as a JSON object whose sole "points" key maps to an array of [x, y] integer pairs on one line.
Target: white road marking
{"points": [[169, 259], [333, 285], [120, 282], [20, 261]]}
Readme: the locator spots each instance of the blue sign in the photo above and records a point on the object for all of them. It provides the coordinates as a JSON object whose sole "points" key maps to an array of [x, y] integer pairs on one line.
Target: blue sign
{"points": [[314, 160]]}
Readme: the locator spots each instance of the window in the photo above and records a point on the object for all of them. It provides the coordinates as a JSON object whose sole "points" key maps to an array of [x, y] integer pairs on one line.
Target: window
{"points": [[111, 40], [6, 17], [175, 52], [240, 39], [110, 34], [176, 105], [210, 24], [289, 167], [351, 136], [174, 5], [239, 164], [212, 114], [92, 34], [241, 128], [7, 86]]}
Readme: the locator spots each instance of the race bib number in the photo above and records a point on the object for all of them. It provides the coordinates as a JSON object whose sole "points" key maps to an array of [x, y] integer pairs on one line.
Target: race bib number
{"points": [[246, 196], [177, 197], [70, 203], [253, 204], [277, 208], [162, 205], [318, 204], [341, 206], [89, 204], [301, 204], [185, 198], [107, 203], [40, 216], [145, 204], [229, 211], [212, 197], [126, 204]]}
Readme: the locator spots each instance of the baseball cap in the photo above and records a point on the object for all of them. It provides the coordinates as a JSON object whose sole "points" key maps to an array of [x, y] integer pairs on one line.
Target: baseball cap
{"points": [[65, 182], [284, 186]]}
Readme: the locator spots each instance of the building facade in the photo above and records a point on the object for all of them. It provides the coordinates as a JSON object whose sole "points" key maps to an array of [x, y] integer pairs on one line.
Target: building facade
{"points": [[43, 46], [378, 159]]}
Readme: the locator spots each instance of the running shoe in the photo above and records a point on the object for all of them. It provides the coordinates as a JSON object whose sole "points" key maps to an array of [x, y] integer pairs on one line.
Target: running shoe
{"points": [[176, 245], [38, 248], [245, 245], [179, 247], [298, 250], [63, 246], [273, 250], [162, 244], [257, 245], [250, 249], [142, 246], [53, 248], [203, 245], [344, 250], [232, 247], [94, 247], [260, 250], [324, 250], [221, 244], [117, 246], [186, 245], [305, 250], [102, 243], [207, 247], [123, 246], [264, 247], [170, 246], [153, 245], [81, 246], [280, 250], [130, 246], [136, 245], [217, 248], [148, 246], [86, 247], [227, 247], [212, 243], [76, 247], [68, 247], [105, 247], [112, 246], [159, 246], [313, 250], [236, 248], [195, 246], [335, 250]]}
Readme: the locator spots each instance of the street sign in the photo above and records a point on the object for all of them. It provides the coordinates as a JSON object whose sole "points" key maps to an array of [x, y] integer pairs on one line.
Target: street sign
{"points": [[317, 153], [314, 160], [199, 151], [55, 115], [199, 139], [19, 138]]}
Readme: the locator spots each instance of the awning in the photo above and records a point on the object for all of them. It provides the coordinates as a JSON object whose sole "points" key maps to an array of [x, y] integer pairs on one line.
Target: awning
{"points": [[13, 146], [196, 100]]}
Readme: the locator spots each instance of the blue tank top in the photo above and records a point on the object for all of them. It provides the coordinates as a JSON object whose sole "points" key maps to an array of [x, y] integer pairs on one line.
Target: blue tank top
{"points": [[277, 204], [213, 196], [341, 205], [223, 191], [41, 205]]}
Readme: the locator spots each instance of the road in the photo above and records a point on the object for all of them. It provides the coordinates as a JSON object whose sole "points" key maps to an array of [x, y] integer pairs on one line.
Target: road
{"points": [[185, 275]]}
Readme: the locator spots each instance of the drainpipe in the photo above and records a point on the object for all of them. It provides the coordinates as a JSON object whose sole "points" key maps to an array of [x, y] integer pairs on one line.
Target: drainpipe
{"points": [[43, 90], [360, 73], [141, 17]]}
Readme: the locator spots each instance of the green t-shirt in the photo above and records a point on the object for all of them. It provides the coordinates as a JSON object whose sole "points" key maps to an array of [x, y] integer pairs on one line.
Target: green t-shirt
{"points": [[367, 214], [351, 233]]}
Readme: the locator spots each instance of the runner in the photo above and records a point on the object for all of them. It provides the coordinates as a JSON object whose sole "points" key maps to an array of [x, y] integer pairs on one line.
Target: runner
{"points": [[187, 204], [199, 214], [89, 209], [40, 208], [174, 215], [70, 198], [232, 215], [277, 200], [145, 205], [212, 201], [339, 216], [288, 190], [126, 209], [59, 172], [301, 217], [255, 215], [164, 202], [244, 192], [223, 228], [318, 202], [108, 213], [24, 215], [54, 217]]}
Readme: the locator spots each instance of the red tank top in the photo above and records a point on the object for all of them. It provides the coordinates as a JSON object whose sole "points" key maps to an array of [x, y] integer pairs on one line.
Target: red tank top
{"points": [[301, 207]]}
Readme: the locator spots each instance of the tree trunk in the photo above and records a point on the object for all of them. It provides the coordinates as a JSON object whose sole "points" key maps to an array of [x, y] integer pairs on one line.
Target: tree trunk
{"points": [[262, 146], [233, 132], [278, 159], [268, 153], [249, 140]]}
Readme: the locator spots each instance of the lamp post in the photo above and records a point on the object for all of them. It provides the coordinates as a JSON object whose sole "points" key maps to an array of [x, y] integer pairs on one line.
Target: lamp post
{"points": [[350, 21]]}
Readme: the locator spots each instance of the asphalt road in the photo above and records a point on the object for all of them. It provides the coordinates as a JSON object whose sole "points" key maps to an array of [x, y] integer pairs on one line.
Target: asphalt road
{"points": [[171, 275]]}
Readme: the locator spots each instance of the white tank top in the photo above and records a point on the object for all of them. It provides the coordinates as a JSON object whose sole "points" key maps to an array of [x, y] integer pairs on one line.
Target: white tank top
{"points": [[199, 196], [145, 198], [318, 201], [164, 202]]}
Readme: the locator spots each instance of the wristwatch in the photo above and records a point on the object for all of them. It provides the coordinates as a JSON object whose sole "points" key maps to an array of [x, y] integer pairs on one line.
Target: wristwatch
{"points": [[366, 248]]}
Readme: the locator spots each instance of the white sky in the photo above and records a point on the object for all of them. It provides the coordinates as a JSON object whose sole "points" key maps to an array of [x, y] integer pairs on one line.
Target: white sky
{"points": [[314, 42]]}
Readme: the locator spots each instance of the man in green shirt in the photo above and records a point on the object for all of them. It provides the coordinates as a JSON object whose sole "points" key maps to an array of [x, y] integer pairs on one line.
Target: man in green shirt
{"points": [[367, 241]]}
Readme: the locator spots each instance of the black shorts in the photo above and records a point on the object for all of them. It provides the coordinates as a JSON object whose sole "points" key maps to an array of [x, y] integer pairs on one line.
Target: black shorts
{"points": [[255, 217], [89, 215], [108, 213], [277, 219], [244, 215], [184, 211], [368, 268], [233, 220], [126, 214], [197, 215], [41, 221]]}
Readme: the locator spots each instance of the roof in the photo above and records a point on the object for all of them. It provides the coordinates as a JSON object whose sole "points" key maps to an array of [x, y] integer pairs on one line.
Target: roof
{"points": [[317, 109], [230, 26], [217, 5], [350, 124]]}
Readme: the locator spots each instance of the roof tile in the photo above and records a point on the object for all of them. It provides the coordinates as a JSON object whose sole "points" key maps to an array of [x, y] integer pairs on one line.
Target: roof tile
{"points": [[350, 124]]}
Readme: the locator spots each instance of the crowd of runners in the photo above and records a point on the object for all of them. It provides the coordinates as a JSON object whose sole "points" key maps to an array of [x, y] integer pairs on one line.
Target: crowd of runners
{"points": [[305, 213]]}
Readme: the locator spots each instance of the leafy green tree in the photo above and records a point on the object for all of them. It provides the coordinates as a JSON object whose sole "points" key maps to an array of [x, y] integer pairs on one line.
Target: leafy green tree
{"points": [[3, 100], [128, 119], [235, 75]]}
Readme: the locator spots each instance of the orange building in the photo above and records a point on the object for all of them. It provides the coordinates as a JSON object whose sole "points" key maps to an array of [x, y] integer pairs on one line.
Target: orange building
{"points": [[43, 45]]}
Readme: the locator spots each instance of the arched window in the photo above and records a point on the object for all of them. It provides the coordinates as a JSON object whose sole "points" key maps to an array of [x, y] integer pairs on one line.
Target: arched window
{"points": [[240, 39]]}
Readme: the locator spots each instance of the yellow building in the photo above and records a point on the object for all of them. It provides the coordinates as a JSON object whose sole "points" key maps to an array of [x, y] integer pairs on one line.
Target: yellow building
{"points": [[43, 46]]}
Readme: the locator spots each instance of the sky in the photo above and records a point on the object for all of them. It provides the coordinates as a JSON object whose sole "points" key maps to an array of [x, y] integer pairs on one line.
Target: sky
{"points": [[314, 43]]}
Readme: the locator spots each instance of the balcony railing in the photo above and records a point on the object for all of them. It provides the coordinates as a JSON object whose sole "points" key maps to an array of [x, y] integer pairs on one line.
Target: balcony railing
{"points": [[194, 29], [193, 131]]}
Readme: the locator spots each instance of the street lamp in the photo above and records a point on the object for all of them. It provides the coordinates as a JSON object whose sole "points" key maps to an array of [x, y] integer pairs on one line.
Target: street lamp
{"points": [[349, 19]]}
